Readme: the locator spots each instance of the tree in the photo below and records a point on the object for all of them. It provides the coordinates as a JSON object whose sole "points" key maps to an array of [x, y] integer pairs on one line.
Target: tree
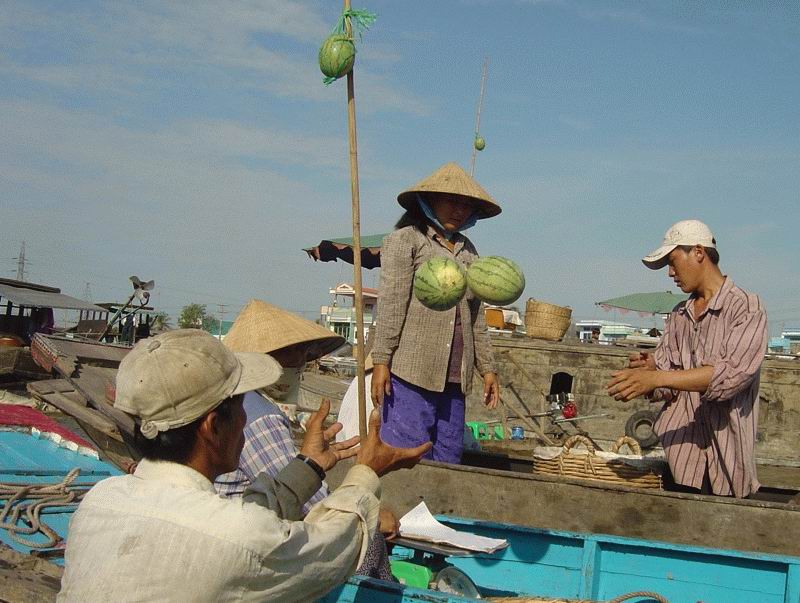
{"points": [[193, 316], [161, 322]]}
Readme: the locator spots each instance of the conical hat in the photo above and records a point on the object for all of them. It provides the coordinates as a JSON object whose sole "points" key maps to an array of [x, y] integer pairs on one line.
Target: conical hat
{"points": [[450, 178], [262, 327]]}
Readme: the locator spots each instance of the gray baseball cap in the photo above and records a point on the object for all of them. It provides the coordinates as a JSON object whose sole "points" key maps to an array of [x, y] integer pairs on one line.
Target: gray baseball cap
{"points": [[172, 379]]}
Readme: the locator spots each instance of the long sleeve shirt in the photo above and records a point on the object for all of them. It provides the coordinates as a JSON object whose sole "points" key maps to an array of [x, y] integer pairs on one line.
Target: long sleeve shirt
{"points": [[164, 534], [415, 341], [268, 448], [714, 431]]}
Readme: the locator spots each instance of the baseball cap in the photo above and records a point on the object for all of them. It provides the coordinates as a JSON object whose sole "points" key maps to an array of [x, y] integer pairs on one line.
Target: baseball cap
{"points": [[685, 232], [172, 379]]}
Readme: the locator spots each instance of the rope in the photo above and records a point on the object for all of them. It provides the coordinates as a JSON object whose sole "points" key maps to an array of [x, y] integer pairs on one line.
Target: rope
{"points": [[640, 593], [38, 497]]}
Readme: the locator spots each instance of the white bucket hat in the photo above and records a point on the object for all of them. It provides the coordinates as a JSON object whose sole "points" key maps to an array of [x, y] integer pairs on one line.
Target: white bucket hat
{"points": [[172, 379], [685, 232]]}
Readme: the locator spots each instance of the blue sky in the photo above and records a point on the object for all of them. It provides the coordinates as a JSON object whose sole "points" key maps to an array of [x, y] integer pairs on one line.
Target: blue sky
{"points": [[194, 143]]}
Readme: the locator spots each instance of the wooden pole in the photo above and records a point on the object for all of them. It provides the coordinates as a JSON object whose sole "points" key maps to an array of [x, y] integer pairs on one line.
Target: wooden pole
{"points": [[356, 211], [478, 115]]}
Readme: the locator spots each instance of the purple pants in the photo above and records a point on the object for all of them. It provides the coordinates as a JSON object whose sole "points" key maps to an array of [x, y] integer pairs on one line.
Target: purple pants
{"points": [[413, 415]]}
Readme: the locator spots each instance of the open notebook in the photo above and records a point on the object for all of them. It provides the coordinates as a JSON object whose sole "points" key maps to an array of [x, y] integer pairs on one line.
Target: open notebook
{"points": [[419, 524]]}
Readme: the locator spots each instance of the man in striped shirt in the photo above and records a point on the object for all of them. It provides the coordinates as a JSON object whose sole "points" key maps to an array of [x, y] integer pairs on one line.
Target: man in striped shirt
{"points": [[705, 369]]}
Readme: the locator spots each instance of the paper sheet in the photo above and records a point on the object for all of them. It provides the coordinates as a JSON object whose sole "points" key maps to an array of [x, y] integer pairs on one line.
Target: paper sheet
{"points": [[418, 523]]}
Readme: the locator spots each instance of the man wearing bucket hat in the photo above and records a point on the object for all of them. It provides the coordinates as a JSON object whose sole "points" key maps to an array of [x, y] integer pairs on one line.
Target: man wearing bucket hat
{"points": [[705, 369], [163, 534], [292, 341], [424, 360]]}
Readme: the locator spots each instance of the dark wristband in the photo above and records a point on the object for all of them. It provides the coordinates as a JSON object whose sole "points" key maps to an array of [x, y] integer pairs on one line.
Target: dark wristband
{"points": [[313, 464]]}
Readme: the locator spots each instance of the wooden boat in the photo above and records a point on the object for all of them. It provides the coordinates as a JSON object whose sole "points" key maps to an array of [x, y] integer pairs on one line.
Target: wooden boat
{"points": [[489, 487], [576, 505], [37, 452], [549, 565]]}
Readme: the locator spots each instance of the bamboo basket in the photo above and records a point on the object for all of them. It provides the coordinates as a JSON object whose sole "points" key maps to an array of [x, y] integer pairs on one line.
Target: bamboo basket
{"points": [[588, 465], [546, 321]]}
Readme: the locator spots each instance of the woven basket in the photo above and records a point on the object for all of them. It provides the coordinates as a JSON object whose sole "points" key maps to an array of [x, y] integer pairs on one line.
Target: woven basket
{"points": [[546, 321], [588, 465]]}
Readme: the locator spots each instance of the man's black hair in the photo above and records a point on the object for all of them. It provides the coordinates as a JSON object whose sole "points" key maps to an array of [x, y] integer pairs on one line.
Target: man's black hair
{"points": [[711, 252], [175, 445]]}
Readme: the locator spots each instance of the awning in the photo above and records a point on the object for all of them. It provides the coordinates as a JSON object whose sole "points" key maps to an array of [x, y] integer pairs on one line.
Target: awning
{"points": [[32, 298], [659, 302], [330, 250]]}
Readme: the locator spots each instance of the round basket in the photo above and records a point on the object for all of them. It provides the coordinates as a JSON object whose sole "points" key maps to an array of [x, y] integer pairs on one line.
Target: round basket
{"points": [[546, 321], [587, 465]]}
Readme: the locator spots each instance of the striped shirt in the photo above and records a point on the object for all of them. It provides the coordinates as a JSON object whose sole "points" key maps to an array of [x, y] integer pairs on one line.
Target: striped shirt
{"points": [[714, 431], [268, 447]]}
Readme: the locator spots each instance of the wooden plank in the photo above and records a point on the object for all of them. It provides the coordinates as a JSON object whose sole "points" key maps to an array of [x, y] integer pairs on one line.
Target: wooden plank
{"points": [[74, 405]]}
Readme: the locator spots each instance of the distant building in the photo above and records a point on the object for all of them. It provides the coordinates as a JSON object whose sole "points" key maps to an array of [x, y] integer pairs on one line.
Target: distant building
{"points": [[603, 331], [340, 316], [787, 343], [217, 330]]}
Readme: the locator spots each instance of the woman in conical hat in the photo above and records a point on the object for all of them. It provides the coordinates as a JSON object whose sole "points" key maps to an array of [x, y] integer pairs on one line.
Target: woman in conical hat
{"points": [[424, 360]]}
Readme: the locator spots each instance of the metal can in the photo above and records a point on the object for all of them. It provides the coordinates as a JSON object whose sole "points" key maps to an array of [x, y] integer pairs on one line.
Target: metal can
{"points": [[517, 433]]}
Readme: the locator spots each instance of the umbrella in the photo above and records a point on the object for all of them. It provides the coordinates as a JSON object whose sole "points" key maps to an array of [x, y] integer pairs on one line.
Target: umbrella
{"points": [[330, 250], [659, 302]]}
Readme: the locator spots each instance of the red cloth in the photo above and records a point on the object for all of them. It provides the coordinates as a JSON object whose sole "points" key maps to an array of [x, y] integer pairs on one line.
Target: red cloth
{"points": [[25, 416]]}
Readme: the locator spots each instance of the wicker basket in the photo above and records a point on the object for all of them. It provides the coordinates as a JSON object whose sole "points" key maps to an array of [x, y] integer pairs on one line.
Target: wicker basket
{"points": [[636, 473], [546, 321]]}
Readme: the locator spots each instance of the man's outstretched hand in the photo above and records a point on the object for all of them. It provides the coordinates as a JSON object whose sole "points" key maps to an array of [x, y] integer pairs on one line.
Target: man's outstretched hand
{"points": [[382, 458], [317, 442]]}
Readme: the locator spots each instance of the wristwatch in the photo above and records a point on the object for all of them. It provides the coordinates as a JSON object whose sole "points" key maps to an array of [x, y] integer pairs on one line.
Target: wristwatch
{"points": [[313, 464]]}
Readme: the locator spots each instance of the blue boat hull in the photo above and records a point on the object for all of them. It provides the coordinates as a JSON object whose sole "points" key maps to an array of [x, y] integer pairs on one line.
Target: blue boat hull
{"points": [[547, 563]]}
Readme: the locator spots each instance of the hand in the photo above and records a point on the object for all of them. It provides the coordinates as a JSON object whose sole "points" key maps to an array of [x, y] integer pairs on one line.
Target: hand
{"points": [[382, 458], [642, 360], [381, 384], [491, 390], [632, 383], [388, 524], [317, 443]]}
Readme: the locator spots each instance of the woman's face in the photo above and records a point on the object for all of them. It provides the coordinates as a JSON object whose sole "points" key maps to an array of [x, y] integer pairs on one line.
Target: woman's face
{"points": [[451, 210]]}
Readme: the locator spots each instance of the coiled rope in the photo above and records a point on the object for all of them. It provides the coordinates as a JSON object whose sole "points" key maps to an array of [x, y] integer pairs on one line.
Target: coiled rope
{"points": [[27, 502]]}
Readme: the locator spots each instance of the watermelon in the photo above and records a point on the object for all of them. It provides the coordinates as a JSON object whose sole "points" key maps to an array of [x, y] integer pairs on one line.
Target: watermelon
{"points": [[439, 284], [337, 55], [496, 280]]}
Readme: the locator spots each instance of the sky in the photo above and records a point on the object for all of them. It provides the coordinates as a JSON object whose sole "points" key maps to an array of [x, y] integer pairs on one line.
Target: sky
{"points": [[195, 144]]}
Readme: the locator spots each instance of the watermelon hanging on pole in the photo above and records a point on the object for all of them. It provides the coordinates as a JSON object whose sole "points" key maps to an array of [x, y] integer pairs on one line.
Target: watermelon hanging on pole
{"points": [[439, 284], [337, 55], [496, 280]]}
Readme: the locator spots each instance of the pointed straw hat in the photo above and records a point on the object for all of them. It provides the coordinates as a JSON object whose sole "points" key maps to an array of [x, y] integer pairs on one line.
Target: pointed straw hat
{"points": [[264, 328], [451, 178]]}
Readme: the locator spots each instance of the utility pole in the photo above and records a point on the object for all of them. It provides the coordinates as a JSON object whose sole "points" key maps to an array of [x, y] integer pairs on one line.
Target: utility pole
{"points": [[21, 263], [221, 316], [87, 292]]}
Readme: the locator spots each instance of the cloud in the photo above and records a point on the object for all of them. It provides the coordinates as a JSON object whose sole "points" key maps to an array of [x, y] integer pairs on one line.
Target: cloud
{"points": [[124, 49]]}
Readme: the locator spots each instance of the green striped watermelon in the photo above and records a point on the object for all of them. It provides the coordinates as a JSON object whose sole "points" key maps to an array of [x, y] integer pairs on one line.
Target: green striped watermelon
{"points": [[496, 280], [337, 55], [439, 283]]}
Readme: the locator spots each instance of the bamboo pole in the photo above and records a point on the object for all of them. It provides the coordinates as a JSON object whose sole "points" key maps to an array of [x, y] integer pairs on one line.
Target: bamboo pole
{"points": [[478, 114], [356, 212]]}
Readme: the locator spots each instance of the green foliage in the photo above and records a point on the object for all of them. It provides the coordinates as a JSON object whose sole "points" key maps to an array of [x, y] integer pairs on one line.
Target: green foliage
{"points": [[161, 322], [193, 316]]}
